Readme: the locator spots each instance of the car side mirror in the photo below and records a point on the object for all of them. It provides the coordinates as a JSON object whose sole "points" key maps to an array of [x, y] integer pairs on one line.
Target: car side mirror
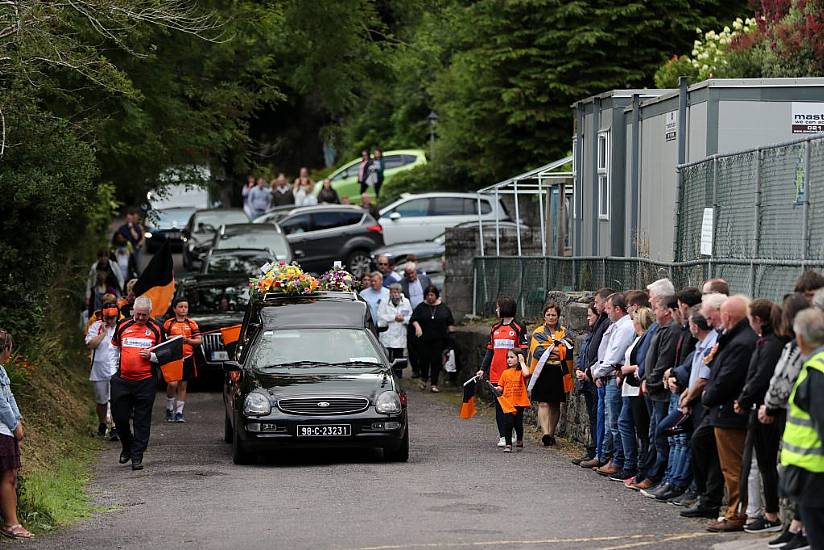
{"points": [[394, 216]]}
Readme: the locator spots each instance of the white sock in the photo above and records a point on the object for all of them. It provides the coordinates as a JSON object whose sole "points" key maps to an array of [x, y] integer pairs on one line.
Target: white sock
{"points": [[170, 403], [179, 409]]}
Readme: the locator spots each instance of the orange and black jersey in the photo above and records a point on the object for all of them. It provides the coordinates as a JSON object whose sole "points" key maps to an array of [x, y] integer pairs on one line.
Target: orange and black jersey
{"points": [[502, 338], [130, 337], [186, 328]]}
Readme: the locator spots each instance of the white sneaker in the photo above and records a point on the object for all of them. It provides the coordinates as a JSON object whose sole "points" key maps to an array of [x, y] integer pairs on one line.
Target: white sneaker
{"points": [[502, 442]]}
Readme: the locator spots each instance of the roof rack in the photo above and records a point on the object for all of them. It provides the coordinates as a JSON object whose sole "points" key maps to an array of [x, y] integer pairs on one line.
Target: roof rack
{"points": [[340, 295]]}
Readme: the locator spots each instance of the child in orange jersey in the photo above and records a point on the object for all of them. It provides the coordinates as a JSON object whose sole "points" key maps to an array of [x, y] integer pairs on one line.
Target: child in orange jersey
{"points": [[513, 388]]}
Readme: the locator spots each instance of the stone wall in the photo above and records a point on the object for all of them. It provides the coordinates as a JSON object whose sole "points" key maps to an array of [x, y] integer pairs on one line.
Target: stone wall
{"points": [[471, 342]]}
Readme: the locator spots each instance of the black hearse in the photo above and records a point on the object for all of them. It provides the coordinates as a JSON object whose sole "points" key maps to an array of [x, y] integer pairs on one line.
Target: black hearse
{"points": [[309, 372]]}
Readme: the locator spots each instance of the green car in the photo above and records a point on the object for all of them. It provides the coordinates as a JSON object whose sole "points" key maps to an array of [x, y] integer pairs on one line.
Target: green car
{"points": [[345, 178]]}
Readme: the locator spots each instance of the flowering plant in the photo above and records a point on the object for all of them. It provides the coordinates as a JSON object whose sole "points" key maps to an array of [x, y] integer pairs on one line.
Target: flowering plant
{"points": [[284, 279], [337, 279]]}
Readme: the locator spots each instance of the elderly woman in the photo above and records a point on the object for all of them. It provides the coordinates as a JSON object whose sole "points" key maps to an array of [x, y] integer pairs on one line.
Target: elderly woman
{"points": [[549, 370], [434, 326], [394, 314]]}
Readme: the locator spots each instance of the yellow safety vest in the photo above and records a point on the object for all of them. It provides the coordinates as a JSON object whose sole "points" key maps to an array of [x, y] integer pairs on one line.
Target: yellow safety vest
{"points": [[801, 446]]}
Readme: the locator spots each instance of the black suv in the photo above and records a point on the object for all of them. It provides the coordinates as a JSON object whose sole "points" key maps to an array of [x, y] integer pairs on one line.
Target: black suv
{"points": [[322, 234], [310, 372]]}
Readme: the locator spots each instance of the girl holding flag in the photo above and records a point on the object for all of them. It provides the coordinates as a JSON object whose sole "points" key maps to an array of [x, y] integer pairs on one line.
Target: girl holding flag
{"points": [[550, 352], [514, 399]]}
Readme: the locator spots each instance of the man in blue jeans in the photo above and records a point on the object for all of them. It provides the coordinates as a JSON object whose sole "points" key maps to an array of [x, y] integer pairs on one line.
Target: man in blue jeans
{"points": [[618, 336]]}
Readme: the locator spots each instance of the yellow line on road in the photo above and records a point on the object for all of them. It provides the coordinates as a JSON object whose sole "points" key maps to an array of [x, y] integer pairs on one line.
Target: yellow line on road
{"points": [[637, 540]]}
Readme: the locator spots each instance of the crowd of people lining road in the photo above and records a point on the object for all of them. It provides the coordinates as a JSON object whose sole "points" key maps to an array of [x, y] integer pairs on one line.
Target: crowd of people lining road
{"points": [[259, 195], [694, 397]]}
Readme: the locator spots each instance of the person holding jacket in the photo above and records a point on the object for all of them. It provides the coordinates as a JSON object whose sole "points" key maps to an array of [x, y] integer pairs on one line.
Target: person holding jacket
{"points": [[11, 433], [394, 314], [728, 373], [505, 335]]}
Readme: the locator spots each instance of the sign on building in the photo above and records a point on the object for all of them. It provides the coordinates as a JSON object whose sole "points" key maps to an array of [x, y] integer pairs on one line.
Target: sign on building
{"points": [[670, 126], [808, 118]]}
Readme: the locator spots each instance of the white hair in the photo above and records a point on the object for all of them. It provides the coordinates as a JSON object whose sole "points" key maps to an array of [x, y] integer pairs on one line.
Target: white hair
{"points": [[142, 302], [809, 325], [713, 300], [662, 288]]}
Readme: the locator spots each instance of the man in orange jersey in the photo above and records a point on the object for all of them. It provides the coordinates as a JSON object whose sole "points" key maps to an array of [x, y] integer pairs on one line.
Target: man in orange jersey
{"points": [[133, 384], [181, 325]]}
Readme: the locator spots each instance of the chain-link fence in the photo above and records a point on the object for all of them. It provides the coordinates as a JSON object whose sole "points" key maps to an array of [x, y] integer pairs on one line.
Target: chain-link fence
{"points": [[767, 206]]}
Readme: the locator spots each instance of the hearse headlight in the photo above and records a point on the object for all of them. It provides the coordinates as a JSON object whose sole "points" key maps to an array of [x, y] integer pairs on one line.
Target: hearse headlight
{"points": [[388, 403], [256, 404]]}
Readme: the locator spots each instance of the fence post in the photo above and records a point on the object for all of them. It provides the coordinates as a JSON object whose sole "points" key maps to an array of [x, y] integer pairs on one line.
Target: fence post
{"points": [[679, 199], [574, 280], [714, 213], [474, 288], [756, 241], [805, 240], [603, 272]]}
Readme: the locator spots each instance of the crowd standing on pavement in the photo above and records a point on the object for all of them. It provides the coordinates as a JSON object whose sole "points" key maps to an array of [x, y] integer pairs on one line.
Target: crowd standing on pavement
{"points": [[694, 398]]}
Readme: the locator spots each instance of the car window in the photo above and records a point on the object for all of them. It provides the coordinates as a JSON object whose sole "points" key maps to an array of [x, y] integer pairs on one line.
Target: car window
{"points": [[300, 223], [447, 206], [392, 161], [324, 345], [409, 159], [414, 208], [219, 298], [262, 240], [486, 208], [226, 263], [220, 217], [329, 220]]}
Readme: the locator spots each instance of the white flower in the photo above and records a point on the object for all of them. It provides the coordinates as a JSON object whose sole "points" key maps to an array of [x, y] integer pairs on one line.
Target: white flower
{"points": [[705, 67], [737, 24], [726, 29], [698, 31]]}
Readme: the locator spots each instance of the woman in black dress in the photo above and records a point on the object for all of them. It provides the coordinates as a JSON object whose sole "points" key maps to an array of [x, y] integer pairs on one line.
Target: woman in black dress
{"points": [[434, 325]]}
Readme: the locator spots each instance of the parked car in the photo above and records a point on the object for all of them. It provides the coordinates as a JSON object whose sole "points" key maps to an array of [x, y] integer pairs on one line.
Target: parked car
{"points": [[215, 301], [166, 224], [309, 372], [320, 235], [201, 229], [273, 215], [345, 178], [427, 215], [247, 261], [252, 235]]}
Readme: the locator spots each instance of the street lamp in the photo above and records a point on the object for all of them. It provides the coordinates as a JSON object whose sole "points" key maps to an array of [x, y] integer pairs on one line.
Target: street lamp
{"points": [[433, 120]]}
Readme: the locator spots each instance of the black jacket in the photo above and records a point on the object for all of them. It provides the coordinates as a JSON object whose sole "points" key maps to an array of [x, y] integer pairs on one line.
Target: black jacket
{"points": [[282, 199], [660, 357], [768, 349], [328, 196], [598, 331], [425, 282], [728, 372]]}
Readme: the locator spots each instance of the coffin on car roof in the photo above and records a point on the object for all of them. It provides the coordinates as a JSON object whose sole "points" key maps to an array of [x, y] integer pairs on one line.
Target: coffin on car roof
{"points": [[319, 310]]}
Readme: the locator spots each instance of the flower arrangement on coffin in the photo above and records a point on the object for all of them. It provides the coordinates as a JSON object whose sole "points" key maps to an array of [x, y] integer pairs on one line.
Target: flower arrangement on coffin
{"points": [[337, 279], [284, 279]]}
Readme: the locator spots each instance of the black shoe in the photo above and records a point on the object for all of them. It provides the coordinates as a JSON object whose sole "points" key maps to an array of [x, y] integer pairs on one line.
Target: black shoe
{"points": [[687, 499], [577, 461], [137, 464], [547, 440], [672, 492], [623, 475], [782, 539], [113, 435], [653, 492], [101, 429], [701, 510], [763, 525], [798, 542], [125, 456]]}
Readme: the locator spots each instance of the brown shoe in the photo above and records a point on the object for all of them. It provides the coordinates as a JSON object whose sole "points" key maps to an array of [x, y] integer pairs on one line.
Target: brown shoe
{"points": [[608, 470], [643, 484], [591, 463], [725, 525]]}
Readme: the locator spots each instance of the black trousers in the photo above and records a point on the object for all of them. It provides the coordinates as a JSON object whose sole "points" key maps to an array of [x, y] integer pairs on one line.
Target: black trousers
{"points": [[431, 359], [514, 420], [135, 400], [766, 440], [591, 399], [640, 416], [412, 352], [364, 187], [813, 518], [396, 353], [706, 466]]}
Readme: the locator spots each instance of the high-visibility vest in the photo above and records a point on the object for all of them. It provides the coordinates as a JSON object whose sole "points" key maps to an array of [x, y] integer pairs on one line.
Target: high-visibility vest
{"points": [[801, 446]]}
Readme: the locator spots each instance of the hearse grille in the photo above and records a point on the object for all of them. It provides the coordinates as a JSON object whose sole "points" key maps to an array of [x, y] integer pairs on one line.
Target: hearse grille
{"points": [[324, 405], [212, 342]]}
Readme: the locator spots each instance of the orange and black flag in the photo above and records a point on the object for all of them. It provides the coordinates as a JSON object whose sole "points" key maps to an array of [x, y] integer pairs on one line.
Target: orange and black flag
{"points": [[158, 281], [170, 358], [506, 404], [468, 408], [230, 334]]}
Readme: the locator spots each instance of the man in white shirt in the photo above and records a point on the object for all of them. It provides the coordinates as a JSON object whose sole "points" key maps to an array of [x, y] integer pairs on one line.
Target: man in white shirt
{"points": [[99, 340], [375, 294], [618, 338]]}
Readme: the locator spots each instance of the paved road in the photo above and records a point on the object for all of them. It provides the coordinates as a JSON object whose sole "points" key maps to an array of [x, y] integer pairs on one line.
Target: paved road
{"points": [[457, 490]]}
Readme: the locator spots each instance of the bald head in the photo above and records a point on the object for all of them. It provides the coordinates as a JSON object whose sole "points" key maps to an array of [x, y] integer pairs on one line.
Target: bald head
{"points": [[734, 310]]}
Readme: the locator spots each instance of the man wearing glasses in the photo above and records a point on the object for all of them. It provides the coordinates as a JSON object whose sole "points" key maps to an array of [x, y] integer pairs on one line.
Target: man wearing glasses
{"points": [[384, 264]]}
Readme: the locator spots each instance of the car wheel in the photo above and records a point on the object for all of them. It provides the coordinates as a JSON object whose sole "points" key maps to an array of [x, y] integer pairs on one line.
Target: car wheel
{"points": [[401, 454], [227, 429], [239, 453], [358, 263]]}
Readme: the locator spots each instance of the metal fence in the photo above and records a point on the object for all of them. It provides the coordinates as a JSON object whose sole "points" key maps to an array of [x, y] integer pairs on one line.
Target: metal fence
{"points": [[768, 226], [529, 279]]}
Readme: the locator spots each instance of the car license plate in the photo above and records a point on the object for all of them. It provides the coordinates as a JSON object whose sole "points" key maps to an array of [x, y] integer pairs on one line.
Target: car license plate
{"points": [[173, 235], [340, 430], [220, 356]]}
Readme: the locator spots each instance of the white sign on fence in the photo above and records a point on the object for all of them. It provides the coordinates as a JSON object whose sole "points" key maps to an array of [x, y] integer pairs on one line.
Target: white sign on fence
{"points": [[670, 126], [706, 232], [808, 118]]}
